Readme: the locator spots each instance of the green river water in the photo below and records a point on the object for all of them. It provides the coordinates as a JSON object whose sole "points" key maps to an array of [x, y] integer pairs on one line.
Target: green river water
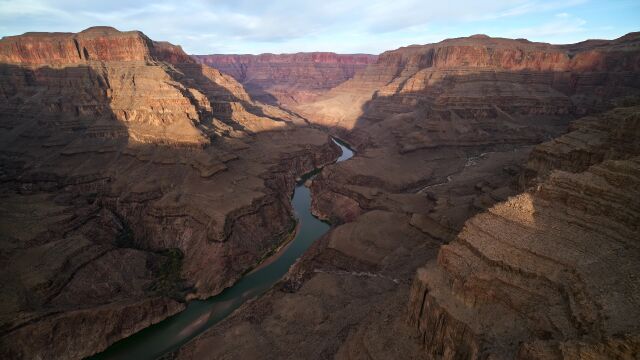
{"points": [[173, 332]]}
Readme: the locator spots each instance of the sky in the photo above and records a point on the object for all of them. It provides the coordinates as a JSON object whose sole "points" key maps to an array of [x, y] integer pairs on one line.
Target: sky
{"points": [[347, 26]]}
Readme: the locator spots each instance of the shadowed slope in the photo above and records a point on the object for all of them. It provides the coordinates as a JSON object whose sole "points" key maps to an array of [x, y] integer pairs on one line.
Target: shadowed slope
{"points": [[134, 178]]}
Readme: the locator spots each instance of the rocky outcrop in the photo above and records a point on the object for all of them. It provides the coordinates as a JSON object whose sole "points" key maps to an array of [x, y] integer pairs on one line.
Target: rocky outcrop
{"points": [[549, 273], [288, 78], [109, 85], [591, 140], [132, 178], [98, 43]]}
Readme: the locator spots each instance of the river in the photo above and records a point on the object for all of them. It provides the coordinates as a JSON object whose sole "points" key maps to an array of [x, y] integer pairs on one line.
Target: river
{"points": [[173, 332]]}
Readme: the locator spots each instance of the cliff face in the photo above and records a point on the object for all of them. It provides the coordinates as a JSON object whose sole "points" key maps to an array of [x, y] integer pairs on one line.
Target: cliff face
{"points": [[432, 118], [485, 83], [103, 73], [444, 132], [98, 43], [549, 273], [101, 43], [288, 78], [131, 178], [591, 140]]}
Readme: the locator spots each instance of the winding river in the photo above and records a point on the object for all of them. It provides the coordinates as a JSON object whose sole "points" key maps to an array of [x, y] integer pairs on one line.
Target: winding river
{"points": [[171, 333]]}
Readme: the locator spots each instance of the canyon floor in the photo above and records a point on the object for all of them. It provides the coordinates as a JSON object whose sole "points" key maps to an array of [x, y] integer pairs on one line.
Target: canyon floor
{"points": [[491, 209]]}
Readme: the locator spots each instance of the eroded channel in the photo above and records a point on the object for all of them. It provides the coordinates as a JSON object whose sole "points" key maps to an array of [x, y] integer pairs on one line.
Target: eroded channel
{"points": [[171, 333]]}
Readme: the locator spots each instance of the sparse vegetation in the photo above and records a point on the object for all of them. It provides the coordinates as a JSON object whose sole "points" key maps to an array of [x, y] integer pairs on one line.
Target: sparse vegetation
{"points": [[125, 238], [169, 275]]}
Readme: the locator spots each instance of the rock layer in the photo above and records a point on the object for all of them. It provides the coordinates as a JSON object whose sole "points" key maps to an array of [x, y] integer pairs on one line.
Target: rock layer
{"points": [[163, 179], [466, 89], [288, 78], [132, 178], [550, 273], [444, 132], [591, 140]]}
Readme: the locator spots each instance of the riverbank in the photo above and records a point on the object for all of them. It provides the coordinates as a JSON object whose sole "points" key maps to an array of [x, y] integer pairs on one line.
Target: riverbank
{"points": [[168, 335]]}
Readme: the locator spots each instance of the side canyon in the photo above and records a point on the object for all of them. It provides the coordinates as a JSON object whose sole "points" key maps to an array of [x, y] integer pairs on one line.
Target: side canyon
{"points": [[491, 209], [288, 79]]}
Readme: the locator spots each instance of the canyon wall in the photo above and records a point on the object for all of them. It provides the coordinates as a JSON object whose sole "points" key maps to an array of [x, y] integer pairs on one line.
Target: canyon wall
{"points": [[288, 78], [447, 139], [550, 273], [484, 83], [423, 113], [133, 178]]}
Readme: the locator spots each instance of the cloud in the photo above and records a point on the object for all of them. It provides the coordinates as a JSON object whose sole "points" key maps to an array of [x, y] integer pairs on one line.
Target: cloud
{"points": [[207, 26], [528, 7], [561, 24]]}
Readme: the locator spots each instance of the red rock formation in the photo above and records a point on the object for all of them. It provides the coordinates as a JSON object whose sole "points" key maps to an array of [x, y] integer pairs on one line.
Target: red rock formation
{"points": [[477, 79], [289, 78], [101, 43], [119, 69], [442, 132], [109, 157], [476, 93], [118, 197], [170, 53], [93, 44]]}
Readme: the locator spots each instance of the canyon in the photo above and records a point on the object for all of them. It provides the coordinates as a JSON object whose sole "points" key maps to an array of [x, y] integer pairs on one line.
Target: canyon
{"points": [[288, 79], [133, 179], [444, 181], [491, 209]]}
